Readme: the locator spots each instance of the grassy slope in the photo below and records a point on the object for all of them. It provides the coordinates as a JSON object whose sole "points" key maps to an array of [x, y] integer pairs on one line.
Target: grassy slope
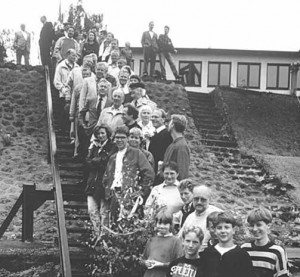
{"points": [[267, 126]]}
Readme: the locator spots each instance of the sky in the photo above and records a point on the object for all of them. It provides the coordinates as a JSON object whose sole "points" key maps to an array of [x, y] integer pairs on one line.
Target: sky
{"points": [[228, 24]]}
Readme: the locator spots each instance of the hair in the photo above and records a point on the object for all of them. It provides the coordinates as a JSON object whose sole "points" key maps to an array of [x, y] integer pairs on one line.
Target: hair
{"points": [[163, 113], [211, 218], [167, 27], [103, 64], [103, 80], [123, 129], [260, 214], [193, 229], [137, 132], [143, 108], [131, 110], [186, 184], [164, 217], [178, 126], [224, 217], [114, 39], [171, 165], [70, 27], [123, 72], [112, 35], [104, 32], [91, 32], [135, 77], [119, 90], [103, 126]]}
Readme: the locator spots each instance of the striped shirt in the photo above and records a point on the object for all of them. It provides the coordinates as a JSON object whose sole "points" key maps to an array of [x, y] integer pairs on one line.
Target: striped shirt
{"points": [[269, 260]]}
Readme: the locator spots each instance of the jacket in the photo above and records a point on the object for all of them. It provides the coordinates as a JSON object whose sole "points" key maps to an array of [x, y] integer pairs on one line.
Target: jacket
{"points": [[96, 161], [135, 168], [147, 41], [20, 43]]}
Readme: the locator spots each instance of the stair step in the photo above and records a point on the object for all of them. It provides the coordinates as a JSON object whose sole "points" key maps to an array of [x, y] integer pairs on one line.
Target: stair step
{"points": [[221, 143]]}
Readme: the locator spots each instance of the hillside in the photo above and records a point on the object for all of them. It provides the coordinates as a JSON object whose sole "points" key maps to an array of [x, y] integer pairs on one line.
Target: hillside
{"points": [[267, 127]]}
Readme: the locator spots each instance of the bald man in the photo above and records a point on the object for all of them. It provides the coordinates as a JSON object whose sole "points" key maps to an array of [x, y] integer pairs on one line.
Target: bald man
{"points": [[202, 196]]}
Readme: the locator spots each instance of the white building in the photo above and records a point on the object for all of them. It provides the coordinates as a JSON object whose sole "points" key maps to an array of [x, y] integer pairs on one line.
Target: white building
{"points": [[204, 69]]}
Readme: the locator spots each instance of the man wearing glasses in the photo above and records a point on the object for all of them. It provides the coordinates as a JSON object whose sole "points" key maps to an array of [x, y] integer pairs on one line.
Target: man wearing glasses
{"points": [[201, 200], [128, 167]]}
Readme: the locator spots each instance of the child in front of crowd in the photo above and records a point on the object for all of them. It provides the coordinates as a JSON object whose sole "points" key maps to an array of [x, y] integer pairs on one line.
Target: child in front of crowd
{"points": [[268, 259], [186, 193], [190, 265], [162, 248], [210, 228], [226, 259]]}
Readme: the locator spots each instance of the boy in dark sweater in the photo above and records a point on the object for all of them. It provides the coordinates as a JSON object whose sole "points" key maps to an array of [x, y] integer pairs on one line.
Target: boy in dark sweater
{"points": [[190, 265], [226, 259]]}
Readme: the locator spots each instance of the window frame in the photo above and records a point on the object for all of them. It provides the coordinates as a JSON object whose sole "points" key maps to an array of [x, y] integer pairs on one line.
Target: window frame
{"points": [[277, 76], [248, 75], [190, 61], [219, 70]]}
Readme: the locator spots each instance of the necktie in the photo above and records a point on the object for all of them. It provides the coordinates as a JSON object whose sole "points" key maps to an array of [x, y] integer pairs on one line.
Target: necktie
{"points": [[99, 106]]}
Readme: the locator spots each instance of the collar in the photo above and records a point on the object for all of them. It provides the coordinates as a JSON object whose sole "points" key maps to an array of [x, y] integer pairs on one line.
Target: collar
{"points": [[122, 152], [118, 109], [176, 184], [159, 129]]}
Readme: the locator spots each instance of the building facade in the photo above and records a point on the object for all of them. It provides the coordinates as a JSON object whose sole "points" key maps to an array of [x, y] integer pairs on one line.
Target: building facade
{"points": [[204, 69]]}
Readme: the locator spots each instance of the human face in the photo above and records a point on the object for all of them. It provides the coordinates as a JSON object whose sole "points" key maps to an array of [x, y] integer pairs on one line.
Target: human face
{"points": [[117, 99], [145, 116], [114, 44], [134, 141], [114, 57], [109, 36], [200, 199], [23, 27], [91, 36], [101, 71], [72, 57], [121, 63], [70, 32], [86, 72], [166, 30], [134, 81], [157, 119], [121, 141], [224, 232], [163, 228], [191, 245], [102, 36], [151, 25], [170, 176], [212, 230], [126, 117], [136, 93], [186, 196], [123, 78], [103, 89], [259, 230], [101, 135]]}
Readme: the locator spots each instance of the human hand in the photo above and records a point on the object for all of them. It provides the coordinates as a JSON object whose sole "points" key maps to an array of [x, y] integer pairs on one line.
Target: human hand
{"points": [[154, 264]]}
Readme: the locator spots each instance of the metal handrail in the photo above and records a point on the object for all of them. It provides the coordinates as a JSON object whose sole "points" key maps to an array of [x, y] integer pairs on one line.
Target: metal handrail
{"points": [[62, 232]]}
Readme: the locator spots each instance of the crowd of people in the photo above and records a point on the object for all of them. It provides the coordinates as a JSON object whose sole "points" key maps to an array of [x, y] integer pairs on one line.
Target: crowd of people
{"points": [[125, 138]]}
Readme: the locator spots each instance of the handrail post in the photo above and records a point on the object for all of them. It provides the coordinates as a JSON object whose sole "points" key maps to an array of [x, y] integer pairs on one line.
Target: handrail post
{"points": [[27, 212]]}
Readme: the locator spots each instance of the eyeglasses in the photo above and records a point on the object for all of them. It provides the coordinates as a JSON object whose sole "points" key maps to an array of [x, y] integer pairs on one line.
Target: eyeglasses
{"points": [[117, 137]]}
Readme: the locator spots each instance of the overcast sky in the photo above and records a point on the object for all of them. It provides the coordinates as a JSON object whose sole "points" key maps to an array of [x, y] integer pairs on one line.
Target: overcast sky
{"points": [[230, 24]]}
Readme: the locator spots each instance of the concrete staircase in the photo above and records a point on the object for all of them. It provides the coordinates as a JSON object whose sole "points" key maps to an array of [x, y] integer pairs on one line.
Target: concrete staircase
{"points": [[218, 139]]}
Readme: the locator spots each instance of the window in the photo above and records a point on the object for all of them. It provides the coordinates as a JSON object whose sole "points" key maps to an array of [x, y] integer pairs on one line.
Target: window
{"points": [[278, 76], [248, 75], [218, 74], [191, 72], [156, 68]]}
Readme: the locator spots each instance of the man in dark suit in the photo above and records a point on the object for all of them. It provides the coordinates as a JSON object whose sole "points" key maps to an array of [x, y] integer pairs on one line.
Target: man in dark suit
{"points": [[161, 139], [22, 45], [46, 39], [150, 48]]}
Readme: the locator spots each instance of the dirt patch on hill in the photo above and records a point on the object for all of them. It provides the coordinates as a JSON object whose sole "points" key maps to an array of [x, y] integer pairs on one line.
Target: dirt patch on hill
{"points": [[23, 144]]}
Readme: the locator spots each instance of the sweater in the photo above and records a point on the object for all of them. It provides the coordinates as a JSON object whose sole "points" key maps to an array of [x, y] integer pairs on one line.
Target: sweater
{"points": [[183, 267], [268, 260], [162, 249], [234, 263]]}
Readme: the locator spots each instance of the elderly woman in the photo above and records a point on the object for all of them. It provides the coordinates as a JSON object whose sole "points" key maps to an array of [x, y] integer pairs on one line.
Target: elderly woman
{"points": [[100, 150], [135, 140], [146, 124]]}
